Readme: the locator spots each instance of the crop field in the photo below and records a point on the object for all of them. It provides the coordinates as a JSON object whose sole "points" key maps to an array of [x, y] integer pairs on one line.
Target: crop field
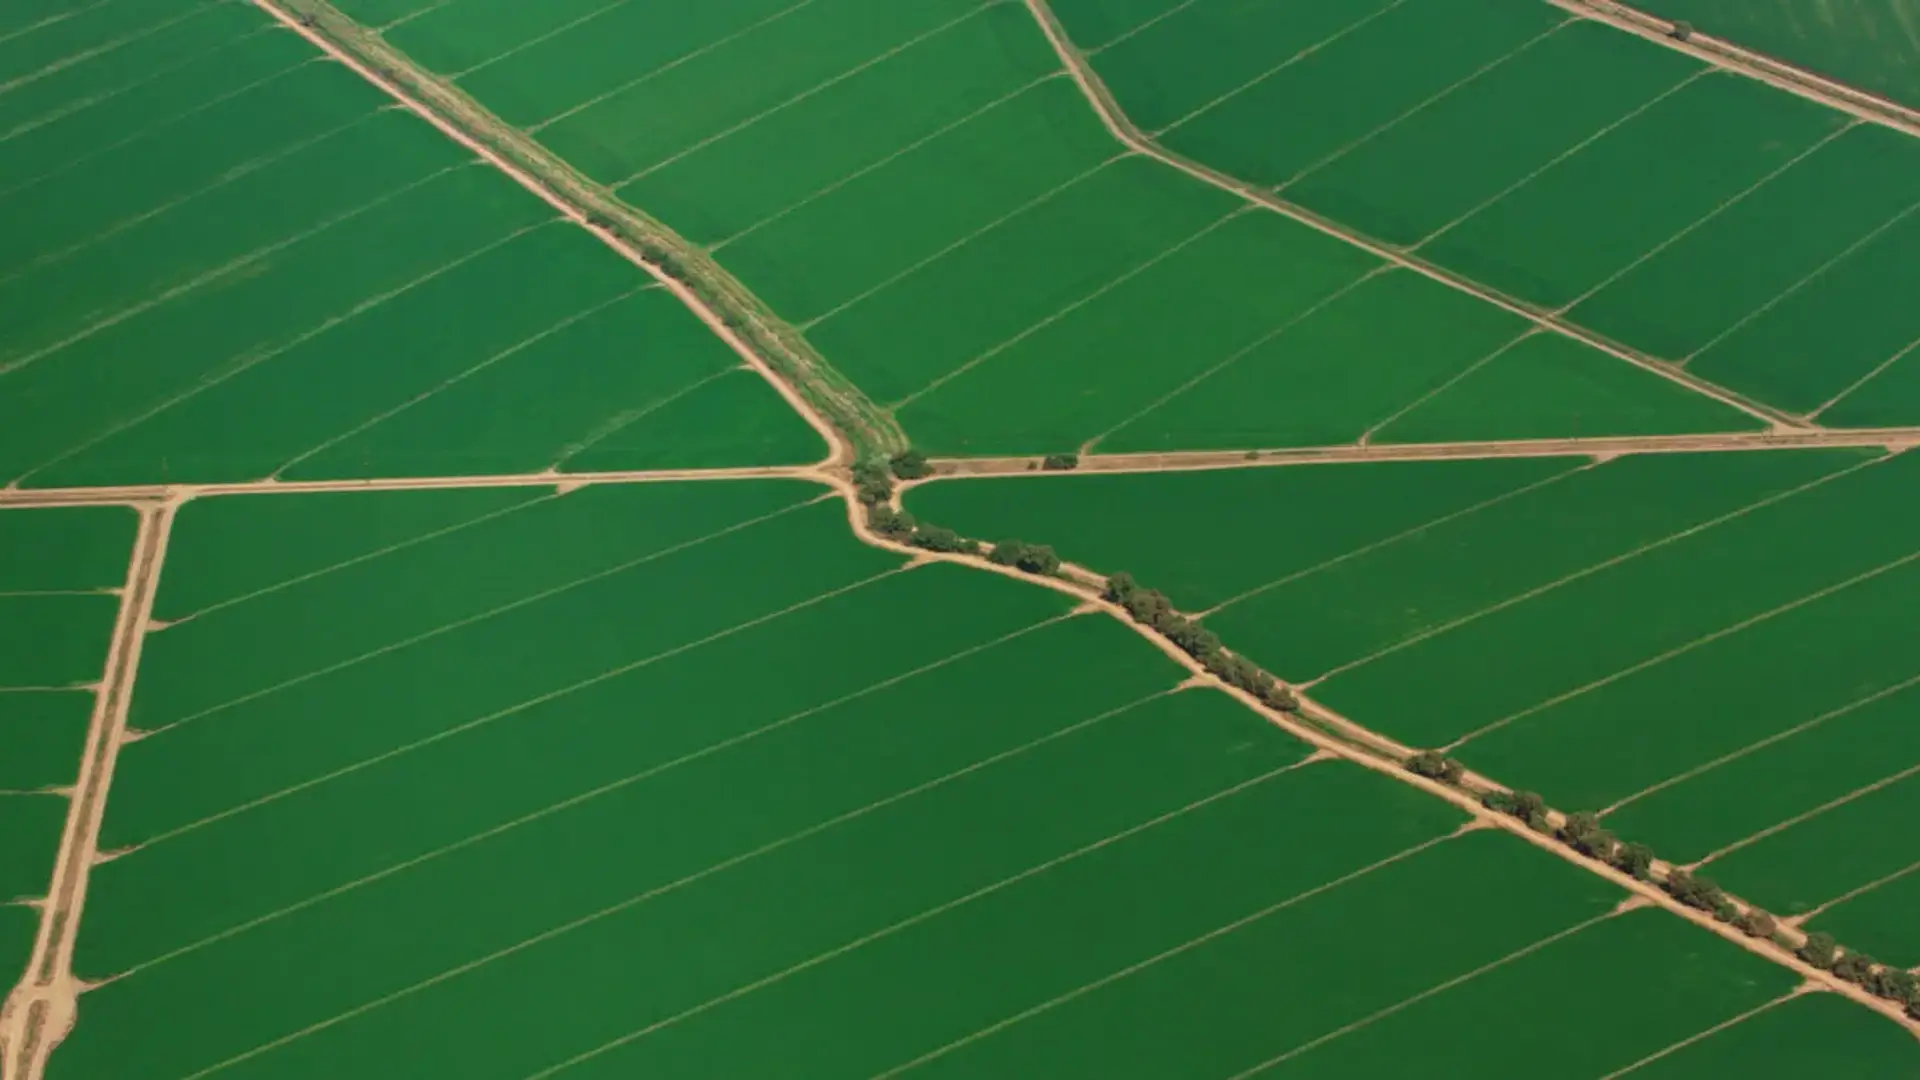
{"points": [[1872, 45], [1008, 842], [953, 229], [229, 260], [1708, 647], [61, 571], [1692, 215]]}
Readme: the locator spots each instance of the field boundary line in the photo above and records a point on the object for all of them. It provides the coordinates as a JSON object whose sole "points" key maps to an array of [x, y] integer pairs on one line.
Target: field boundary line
{"points": [[670, 65], [796, 372], [1458, 377], [606, 912], [925, 916], [1599, 567], [1115, 119], [1749, 63], [1143, 27], [1129, 970], [1878, 370], [945, 129], [41, 1010], [1036, 201], [1761, 744], [49, 20], [150, 129], [1432, 991], [105, 47], [1799, 819], [589, 794], [806, 95], [1388, 541], [436, 5], [560, 326], [1707, 1033], [1302, 54], [1809, 278], [83, 104], [1595, 136], [233, 367], [1074, 305], [1853, 894], [1086, 451], [231, 266], [1419, 107], [522, 46], [1704, 219], [234, 174], [626, 418], [1684, 648], [477, 617], [364, 557]]}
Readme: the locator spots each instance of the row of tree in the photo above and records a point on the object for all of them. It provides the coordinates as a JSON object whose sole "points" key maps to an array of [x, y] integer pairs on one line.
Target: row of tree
{"points": [[1151, 608], [1584, 833]]}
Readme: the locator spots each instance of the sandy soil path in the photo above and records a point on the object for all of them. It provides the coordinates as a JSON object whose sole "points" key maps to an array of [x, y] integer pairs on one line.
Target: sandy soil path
{"points": [[41, 1010], [1735, 58], [1122, 128]]}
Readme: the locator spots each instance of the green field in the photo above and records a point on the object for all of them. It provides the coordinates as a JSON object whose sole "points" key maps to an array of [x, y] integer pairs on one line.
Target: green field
{"points": [[953, 229], [1710, 224], [60, 572], [227, 263], [1873, 45]]}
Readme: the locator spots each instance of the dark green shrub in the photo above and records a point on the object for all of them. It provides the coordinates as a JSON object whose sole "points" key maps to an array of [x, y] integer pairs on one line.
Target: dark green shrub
{"points": [[911, 465], [1061, 462], [1818, 950]]}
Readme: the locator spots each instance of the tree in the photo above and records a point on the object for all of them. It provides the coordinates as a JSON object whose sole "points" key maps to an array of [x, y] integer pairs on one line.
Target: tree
{"points": [[1434, 765], [940, 538], [1756, 924], [1682, 31], [1854, 967], [1635, 860], [1725, 910], [872, 483], [1007, 553], [1818, 950], [1583, 833], [1038, 559], [1119, 587], [1528, 805], [890, 523], [911, 465], [1061, 462], [1695, 892], [1894, 984]]}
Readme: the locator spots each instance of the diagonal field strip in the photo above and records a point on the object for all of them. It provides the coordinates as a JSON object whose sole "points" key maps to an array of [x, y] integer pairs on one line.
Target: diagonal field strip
{"points": [[683, 58], [626, 418], [1449, 383], [522, 46], [1700, 220], [1761, 744], [648, 773], [105, 47], [370, 556], [59, 17], [230, 267], [501, 609], [455, 379], [772, 110], [1236, 356], [1832, 804], [1856, 892], [1810, 277], [1404, 534], [633, 901], [414, 14], [1184, 947], [518, 707], [1431, 100], [1038, 200], [1878, 370], [1075, 305], [148, 76], [1599, 133], [232, 175], [1707, 1033], [888, 159], [1209, 106], [148, 131], [237, 366], [1436, 989], [1148, 25], [1605, 564], [924, 916], [1681, 650]]}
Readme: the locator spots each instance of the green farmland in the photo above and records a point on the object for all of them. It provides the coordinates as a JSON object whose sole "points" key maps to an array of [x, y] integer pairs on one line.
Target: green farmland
{"points": [[581, 538], [1872, 45]]}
